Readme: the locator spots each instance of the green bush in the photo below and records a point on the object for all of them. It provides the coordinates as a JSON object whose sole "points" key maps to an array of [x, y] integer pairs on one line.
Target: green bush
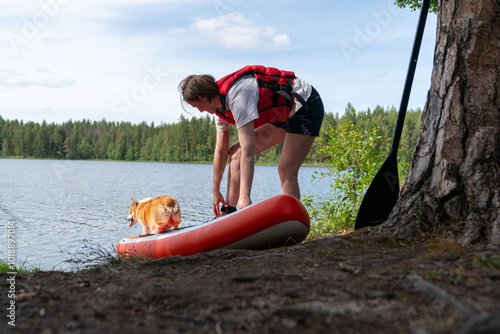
{"points": [[354, 158], [354, 161]]}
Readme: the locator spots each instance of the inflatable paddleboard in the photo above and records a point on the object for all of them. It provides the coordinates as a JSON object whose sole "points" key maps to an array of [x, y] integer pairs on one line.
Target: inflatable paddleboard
{"points": [[276, 222]]}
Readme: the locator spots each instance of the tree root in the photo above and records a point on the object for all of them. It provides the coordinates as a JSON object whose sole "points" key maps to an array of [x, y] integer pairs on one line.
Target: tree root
{"points": [[476, 323]]}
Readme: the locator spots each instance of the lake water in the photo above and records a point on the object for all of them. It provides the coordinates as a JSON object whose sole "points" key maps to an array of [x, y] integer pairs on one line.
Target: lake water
{"points": [[67, 209]]}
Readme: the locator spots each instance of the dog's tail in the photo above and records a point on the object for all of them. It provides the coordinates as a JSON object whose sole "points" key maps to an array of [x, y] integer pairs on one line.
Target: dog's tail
{"points": [[175, 214]]}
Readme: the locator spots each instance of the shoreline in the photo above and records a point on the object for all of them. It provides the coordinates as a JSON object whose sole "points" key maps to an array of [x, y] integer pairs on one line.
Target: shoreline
{"points": [[325, 165]]}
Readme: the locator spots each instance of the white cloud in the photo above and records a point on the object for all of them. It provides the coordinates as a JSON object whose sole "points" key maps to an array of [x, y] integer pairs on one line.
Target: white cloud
{"points": [[56, 40], [236, 32], [47, 83], [14, 79], [281, 41]]}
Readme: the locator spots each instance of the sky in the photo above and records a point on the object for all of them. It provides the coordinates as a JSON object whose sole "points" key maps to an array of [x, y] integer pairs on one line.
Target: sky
{"points": [[122, 60]]}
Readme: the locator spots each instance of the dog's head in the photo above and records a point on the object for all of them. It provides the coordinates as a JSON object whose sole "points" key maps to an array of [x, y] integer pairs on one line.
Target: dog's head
{"points": [[131, 216]]}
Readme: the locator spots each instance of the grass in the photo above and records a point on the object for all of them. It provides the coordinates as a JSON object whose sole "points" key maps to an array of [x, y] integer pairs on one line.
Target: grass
{"points": [[453, 277], [485, 262], [21, 268], [324, 253], [91, 256]]}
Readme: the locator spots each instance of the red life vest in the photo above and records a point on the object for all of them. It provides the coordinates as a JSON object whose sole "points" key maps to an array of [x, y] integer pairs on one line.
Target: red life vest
{"points": [[275, 93]]}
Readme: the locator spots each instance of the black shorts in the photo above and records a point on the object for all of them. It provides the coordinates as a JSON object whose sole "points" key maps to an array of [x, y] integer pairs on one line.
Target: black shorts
{"points": [[307, 120]]}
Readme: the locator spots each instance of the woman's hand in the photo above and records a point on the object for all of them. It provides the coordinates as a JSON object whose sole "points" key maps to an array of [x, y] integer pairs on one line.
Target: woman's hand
{"points": [[218, 198], [220, 159]]}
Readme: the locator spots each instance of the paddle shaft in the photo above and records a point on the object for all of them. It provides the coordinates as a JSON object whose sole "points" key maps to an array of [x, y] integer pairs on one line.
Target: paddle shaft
{"points": [[410, 75], [383, 192]]}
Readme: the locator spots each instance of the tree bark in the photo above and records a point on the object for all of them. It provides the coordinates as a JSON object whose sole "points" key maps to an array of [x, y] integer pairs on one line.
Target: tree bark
{"points": [[454, 177]]}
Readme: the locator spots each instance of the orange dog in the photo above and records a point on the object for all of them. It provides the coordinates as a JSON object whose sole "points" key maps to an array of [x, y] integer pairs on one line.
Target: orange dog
{"points": [[155, 214]]}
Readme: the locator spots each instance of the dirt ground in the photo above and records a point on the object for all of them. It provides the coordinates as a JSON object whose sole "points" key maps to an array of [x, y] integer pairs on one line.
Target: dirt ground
{"points": [[356, 283]]}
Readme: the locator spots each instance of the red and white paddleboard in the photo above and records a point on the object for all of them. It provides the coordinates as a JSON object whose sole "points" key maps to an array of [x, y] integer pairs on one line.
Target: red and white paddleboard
{"points": [[276, 222]]}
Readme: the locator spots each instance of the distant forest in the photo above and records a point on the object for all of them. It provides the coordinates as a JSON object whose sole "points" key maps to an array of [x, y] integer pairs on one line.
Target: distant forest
{"points": [[188, 140]]}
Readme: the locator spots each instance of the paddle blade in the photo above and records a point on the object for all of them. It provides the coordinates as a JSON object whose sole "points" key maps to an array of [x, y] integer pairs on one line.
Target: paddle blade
{"points": [[381, 196]]}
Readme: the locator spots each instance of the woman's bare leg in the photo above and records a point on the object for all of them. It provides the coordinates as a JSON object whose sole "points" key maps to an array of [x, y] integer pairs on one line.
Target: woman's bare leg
{"points": [[295, 150], [266, 137]]}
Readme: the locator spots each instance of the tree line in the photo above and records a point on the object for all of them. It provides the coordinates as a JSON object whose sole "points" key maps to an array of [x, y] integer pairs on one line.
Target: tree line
{"points": [[188, 140]]}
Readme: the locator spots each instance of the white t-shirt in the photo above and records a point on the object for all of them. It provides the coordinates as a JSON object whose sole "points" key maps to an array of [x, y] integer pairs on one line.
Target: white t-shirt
{"points": [[243, 97]]}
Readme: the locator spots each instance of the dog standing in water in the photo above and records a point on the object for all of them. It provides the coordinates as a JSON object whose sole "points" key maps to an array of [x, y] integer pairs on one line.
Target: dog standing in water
{"points": [[155, 214]]}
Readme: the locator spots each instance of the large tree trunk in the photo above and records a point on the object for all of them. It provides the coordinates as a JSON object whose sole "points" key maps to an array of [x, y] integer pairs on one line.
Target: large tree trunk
{"points": [[454, 177]]}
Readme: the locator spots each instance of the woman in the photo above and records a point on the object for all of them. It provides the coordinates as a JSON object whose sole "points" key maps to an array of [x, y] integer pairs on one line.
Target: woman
{"points": [[268, 106]]}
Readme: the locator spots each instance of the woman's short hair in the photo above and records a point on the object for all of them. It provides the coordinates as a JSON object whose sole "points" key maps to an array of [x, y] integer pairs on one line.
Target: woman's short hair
{"points": [[197, 86]]}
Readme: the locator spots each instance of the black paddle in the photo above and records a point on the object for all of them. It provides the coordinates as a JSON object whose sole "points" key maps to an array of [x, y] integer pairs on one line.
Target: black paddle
{"points": [[383, 192]]}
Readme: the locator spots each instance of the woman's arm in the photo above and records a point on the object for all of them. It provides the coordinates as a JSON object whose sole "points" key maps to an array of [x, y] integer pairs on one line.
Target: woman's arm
{"points": [[220, 160], [246, 136]]}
